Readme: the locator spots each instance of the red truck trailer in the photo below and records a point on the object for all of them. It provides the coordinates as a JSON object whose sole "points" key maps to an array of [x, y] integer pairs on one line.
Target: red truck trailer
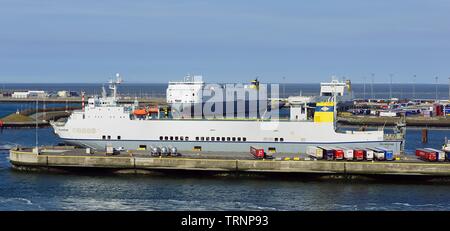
{"points": [[257, 152], [425, 154]]}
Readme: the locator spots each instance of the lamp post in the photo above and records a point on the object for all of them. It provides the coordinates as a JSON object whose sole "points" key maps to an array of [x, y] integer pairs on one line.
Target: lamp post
{"points": [[365, 87], [371, 86], [390, 86], [436, 78]]}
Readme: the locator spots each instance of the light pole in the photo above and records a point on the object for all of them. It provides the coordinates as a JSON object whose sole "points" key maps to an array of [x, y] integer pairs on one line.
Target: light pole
{"points": [[371, 86], [414, 87], [436, 88], [449, 89], [390, 86], [365, 87]]}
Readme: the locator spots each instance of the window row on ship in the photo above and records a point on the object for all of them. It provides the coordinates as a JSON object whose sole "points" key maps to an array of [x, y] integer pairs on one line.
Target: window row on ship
{"points": [[202, 138], [199, 138]]}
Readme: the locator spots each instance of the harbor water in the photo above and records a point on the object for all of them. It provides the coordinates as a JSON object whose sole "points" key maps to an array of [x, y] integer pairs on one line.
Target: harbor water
{"points": [[91, 191]]}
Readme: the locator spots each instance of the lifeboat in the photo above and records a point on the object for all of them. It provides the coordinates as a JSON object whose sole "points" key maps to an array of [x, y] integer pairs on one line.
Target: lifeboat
{"points": [[140, 112], [153, 110]]}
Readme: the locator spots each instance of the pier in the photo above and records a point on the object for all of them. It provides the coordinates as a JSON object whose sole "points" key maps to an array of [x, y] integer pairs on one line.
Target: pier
{"points": [[443, 122], [129, 100], [60, 158]]}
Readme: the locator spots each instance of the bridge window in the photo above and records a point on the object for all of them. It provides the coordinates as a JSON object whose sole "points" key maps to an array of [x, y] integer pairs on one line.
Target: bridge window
{"points": [[197, 138], [186, 138], [276, 139], [228, 138], [103, 137], [176, 137], [118, 137], [281, 139], [161, 138], [239, 139], [212, 138], [166, 137], [244, 139], [234, 139], [109, 137]]}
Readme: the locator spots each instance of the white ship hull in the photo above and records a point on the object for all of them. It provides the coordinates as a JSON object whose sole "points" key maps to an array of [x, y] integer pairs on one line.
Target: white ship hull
{"points": [[239, 135]]}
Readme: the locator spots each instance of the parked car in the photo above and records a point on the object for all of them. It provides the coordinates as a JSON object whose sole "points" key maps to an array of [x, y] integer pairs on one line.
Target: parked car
{"points": [[119, 149]]}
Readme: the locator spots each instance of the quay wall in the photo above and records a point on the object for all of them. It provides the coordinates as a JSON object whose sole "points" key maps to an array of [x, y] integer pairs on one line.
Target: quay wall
{"points": [[22, 158]]}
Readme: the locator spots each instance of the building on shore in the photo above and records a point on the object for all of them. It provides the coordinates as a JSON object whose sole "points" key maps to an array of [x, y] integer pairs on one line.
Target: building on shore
{"points": [[29, 94]]}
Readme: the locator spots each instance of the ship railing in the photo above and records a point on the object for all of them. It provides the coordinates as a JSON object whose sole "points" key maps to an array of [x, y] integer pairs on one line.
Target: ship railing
{"points": [[57, 123], [396, 136], [227, 119]]}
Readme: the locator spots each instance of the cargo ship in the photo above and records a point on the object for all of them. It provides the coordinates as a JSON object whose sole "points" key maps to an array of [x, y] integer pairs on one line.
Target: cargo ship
{"points": [[102, 122]]}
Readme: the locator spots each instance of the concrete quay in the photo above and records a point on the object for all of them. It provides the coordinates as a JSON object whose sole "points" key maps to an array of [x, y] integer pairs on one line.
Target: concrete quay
{"points": [[392, 121], [138, 162]]}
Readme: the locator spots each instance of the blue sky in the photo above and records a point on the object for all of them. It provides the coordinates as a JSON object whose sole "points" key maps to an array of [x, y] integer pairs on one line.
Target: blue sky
{"points": [[225, 41]]}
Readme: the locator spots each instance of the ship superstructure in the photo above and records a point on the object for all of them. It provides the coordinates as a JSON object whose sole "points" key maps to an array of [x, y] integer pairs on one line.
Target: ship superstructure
{"points": [[342, 90], [103, 122]]}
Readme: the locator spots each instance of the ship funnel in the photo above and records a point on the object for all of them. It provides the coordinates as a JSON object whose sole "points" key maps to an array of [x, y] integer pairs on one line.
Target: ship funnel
{"points": [[348, 84], [324, 112]]}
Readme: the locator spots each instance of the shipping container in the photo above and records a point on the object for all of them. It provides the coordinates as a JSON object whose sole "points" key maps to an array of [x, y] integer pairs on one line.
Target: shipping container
{"points": [[425, 154], [377, 154], [348, 153], [369, 154], [447, 110], [358, 154], [427, 113], [257, 152], [109, 150], [440, 155], [311, 151], [438, 109], [338, 153], [319, 153], [328, 153], [314, 152], [388, 153]]}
